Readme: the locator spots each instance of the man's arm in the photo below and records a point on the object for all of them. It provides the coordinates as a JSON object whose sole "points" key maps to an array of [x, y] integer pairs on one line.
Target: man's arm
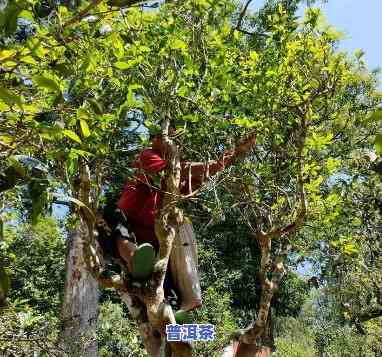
{"points": [[193, 174]]}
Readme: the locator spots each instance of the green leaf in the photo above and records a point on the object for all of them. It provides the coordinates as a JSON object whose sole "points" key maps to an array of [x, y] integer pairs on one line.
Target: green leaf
{"points": [[72, 163], [17, 166], [47, 83], [84, 128], [62, 69], [131, 100], [29, 60], [332, 165], [6, 139], [26, 15], [375, 116], [192, 118], [359, 53], [82, 153], [153, 128], [182, 91], [82, 113], [3, 107], [245, 123], [38, 197], [135, 86], [178, 44], [34, 44], [85, 64], [350, 249], [4, 54], [254, 56], [72, 135], [9, 18], [117, 43], [96, 106], [10, 98], [378, 144], [122, 65], [126, 65]]}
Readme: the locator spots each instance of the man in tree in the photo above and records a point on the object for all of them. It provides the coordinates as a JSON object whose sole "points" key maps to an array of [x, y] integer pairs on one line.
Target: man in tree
{"points": [[134, 235]]}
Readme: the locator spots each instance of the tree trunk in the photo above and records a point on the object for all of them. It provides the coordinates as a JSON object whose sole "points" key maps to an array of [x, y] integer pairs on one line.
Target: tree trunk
{"points": [[153, 342], [264, 348], [241, 349], [245, 350], [1, 229], [80, 304]]}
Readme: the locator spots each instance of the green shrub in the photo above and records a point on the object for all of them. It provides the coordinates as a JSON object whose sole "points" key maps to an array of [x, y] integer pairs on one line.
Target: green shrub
{"points": [[293, 338], [117, 333]]}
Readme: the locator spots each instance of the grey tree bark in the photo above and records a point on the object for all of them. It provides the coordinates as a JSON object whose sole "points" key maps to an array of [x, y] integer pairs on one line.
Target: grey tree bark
{"points": [[80, 304]]}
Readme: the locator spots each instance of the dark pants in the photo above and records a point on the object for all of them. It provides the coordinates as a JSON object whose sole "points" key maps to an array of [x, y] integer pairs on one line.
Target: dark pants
{"points": [[121, 229]]}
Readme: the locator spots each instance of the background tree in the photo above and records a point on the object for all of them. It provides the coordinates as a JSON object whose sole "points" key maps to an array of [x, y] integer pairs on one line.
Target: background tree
{"points": [[78, 85]]}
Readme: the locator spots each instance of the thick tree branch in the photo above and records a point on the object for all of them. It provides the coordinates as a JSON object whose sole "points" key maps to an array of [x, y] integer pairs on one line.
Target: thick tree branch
{"points": [[369, 314], [301, 215], [269, 286], [258, 34], [242, 14], [251, 334], [83, 13]]}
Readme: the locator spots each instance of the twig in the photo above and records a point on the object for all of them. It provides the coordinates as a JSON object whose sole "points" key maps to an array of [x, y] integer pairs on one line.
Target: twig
{"points": [[82, 13], [87, 9]]}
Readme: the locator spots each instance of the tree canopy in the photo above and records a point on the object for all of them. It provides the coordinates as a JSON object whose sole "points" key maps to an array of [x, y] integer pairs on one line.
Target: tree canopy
{"points": [[81, 85]]}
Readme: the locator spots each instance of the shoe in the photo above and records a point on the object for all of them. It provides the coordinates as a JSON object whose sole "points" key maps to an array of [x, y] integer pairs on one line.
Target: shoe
{"points": [[191, 305], [110, 270], [183, 317], [143, 262]]}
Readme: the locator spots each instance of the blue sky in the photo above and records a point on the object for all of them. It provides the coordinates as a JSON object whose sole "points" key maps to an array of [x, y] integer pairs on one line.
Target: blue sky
{"points": [[360, 21]]}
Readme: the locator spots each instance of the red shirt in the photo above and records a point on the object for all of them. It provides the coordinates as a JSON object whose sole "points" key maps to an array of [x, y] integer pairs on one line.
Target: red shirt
{"points": [[142, 198]]}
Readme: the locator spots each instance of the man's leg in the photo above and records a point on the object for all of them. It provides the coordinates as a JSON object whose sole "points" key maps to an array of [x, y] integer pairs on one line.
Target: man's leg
{"points": [[126, 250], [140, 259]]}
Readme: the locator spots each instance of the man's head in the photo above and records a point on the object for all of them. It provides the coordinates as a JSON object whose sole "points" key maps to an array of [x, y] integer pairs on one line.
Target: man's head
{"points": [[157, 139]]}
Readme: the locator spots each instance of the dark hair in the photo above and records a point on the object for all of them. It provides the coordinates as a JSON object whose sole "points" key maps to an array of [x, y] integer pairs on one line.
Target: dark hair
{"points": [[153, 135], [156, 133]]}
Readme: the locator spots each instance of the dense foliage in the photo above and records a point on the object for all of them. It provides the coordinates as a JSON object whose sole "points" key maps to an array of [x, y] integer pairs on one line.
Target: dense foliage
{"points": [[83, 82]]}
